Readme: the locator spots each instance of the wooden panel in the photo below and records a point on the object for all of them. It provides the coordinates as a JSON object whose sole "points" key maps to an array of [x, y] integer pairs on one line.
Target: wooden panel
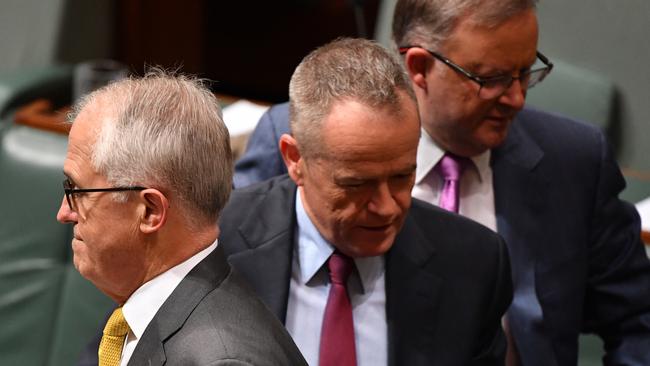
{"points": [[249, 47], [167, 33], [256, 45]]}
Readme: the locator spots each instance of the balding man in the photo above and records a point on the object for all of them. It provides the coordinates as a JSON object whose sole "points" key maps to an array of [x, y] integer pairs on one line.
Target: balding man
{"points": [[148, 171]]}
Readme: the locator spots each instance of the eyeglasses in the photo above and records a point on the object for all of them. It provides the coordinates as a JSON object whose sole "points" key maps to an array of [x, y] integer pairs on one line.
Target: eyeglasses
{"points": [[493, 87], [70, 192]]}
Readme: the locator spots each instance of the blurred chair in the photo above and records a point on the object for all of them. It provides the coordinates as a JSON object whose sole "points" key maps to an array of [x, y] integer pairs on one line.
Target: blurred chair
{"points": [[48, 312], [577, 93]]}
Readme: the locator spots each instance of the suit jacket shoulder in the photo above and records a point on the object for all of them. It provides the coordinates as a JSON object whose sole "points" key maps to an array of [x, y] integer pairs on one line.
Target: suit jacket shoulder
{"points": [[262, 159], [458, 267], [212, 317], [578, 261]]}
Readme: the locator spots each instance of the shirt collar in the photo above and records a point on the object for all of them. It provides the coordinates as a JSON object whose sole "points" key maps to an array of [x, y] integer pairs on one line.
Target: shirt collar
{"points": [[429, 154], [144, 303], [314, 250]]}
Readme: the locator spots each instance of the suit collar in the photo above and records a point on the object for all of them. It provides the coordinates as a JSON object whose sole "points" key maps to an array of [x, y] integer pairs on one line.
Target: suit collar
{"points": [[200, 281], [521, 203], [519, 148], [269, 232], [411, 294]]}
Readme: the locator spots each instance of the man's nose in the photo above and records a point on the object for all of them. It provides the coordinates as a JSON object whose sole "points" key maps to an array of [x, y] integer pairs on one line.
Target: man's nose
{"points": [[382, 202], [66, 215], [515, 96]]}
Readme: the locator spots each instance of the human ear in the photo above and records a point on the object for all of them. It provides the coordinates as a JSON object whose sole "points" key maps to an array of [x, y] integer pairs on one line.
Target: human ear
{"points": [[292, 157], [417, 62], [155, 210]]}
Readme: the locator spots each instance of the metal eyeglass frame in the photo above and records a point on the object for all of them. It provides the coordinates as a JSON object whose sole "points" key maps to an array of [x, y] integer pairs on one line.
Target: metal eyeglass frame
{"points": [[503, 81], [69, 191]]}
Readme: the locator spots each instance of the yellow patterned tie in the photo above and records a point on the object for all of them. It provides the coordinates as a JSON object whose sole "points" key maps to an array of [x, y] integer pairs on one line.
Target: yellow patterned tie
{"points": [[115, 331]]}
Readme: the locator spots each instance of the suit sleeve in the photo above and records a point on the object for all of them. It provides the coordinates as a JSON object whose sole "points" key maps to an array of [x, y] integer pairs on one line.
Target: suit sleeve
{"points": [[617, 302], [262, 159]]}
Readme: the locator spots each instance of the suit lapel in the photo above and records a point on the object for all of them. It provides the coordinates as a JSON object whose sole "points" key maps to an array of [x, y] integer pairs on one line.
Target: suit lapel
{"points": [[201, 280], [520, 194], [269, 232], [411, 296]]}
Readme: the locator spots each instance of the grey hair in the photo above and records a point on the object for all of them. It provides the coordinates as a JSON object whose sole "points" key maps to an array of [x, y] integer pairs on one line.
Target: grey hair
{"points": [[355, 69], [164, 131], [429, 23]]}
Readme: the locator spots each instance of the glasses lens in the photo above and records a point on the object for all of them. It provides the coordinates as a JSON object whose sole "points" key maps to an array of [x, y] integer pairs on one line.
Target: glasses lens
{"points": [[67, 186], [493, 88], [536, 76]]}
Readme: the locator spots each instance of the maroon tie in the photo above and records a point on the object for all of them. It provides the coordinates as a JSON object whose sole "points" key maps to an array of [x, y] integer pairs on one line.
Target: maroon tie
{"points": [[450, 168], [337, 346]]}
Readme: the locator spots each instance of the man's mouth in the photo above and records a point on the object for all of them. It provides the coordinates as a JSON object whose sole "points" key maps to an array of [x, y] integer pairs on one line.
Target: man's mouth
{"points": [[500, 119], [377, 228]]}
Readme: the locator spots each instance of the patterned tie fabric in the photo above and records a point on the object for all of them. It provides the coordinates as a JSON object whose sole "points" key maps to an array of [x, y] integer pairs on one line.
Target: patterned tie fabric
{"points": [[115, 331], [337, 346], [451, 167]]}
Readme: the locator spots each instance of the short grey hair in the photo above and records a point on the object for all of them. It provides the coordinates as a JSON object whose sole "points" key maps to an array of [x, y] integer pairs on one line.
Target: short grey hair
{"points": [[429, 23], [344, 69], [164, 131]]}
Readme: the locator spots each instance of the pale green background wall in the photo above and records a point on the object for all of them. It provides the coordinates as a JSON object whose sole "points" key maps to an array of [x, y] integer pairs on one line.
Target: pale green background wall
{"points": [[611, 38]]}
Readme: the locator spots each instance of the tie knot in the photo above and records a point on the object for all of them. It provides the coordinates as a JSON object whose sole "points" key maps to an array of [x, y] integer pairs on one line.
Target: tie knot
{"points": [[116, 325], [340, 266], [451, 166]]}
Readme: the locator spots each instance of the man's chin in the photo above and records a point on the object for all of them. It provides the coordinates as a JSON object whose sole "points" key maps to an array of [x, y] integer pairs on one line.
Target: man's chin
{"points": [[371, 248], [494, 134], [78, 255]]}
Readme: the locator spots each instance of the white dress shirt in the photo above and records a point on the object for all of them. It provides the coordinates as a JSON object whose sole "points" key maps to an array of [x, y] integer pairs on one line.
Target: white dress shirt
{"points": [[476, 197], [309, 289], [144, 303]]}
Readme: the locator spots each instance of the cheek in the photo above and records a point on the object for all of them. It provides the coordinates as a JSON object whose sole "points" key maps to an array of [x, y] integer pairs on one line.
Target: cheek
{"points": [[403, 200]]}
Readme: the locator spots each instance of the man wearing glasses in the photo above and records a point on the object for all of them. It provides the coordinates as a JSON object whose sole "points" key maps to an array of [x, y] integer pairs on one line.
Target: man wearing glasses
{"points": [[148, 171], [547, 184]]}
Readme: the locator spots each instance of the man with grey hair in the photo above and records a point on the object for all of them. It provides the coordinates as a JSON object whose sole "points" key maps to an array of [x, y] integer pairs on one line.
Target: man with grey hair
{"points": [[359, 273], [148, 171], [548, 184]]}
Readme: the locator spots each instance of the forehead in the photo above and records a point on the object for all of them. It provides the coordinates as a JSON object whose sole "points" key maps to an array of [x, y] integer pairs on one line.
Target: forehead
{"points": [[356, 136], [83, 135]]}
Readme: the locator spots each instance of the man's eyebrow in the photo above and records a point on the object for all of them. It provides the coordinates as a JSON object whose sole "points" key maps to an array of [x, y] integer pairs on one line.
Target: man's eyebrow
{"points": [[408, 170], [68, 178]]}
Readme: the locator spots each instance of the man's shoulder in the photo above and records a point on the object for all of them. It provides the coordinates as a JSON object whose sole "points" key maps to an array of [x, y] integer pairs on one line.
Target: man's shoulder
{"points": [[231, 323], [561, 141], [424, 212], [243, 198], [451, 230], [546, 126]]}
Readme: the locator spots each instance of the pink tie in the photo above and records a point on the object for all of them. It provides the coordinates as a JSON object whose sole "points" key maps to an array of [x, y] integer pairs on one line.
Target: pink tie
{"points": [[337, 347], [451, 167]]}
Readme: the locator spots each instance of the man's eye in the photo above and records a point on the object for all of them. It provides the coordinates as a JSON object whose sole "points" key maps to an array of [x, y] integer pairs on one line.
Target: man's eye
{"points": [[353, 184], [497, 80]]}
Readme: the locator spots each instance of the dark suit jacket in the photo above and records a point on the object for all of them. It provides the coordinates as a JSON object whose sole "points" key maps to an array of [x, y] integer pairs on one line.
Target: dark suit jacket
{"points": [[212, 318], [577, 260], [447, 278]]}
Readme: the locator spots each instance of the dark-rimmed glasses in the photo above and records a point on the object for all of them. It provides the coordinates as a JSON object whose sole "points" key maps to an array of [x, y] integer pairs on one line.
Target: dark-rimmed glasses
{"points": [[70, 192], [493, 87]]}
